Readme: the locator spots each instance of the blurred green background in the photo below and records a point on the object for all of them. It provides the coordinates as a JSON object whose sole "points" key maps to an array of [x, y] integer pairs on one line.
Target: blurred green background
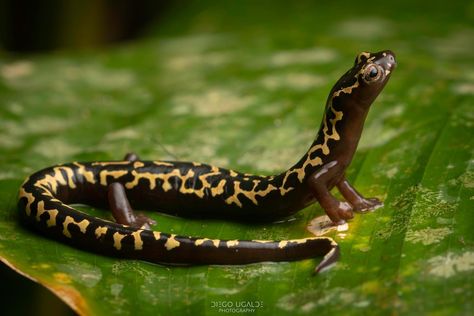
{"points": [[43, 27], [433, 41]]}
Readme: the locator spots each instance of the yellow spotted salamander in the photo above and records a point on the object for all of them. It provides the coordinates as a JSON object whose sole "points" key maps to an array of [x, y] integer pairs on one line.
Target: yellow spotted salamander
{"points": [[190, 188]]}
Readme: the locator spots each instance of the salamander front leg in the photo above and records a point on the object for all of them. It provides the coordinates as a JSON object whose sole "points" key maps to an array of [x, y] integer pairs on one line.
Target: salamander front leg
{"points": [[359, 203], [337, 211], [121, 209]]}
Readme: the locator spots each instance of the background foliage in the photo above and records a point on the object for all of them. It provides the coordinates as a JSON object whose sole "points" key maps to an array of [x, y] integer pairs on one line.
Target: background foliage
{"points": [[243, 85]]}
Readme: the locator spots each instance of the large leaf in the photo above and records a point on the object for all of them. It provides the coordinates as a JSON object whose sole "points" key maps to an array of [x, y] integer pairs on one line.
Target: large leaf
{"points": [[243, 85]]}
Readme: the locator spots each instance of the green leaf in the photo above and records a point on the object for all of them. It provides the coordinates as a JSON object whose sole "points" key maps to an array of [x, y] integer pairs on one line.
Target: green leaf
{"points": [[245, 89]]}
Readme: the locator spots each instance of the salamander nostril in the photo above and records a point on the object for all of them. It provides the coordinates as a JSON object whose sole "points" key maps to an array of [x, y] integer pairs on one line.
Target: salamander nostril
{"points": [[393, 62], [389, 60]]}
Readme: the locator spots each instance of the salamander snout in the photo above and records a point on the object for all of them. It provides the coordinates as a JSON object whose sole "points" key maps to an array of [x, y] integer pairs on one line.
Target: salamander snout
{"points": [[387, 60]]}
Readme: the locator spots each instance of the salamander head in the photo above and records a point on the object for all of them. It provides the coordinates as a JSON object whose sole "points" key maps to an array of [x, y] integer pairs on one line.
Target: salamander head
{"points": [[366, 79]]}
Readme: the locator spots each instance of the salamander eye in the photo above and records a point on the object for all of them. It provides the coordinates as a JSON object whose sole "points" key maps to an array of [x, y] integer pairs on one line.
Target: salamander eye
{"points": [[372, 73]]}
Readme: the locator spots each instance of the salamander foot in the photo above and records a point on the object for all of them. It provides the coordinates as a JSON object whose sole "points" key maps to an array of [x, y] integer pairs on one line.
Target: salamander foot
{"points": [[367, 205], [122, 211], [131, 157], [345, 211]]}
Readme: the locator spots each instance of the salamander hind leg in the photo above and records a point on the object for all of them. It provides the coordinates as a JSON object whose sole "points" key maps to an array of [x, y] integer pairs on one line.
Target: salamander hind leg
{"points": [[122, 211], [359, 203], [131, 156]]}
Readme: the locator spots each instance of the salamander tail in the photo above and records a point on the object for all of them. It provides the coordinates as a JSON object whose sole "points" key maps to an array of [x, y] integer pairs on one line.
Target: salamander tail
{"points": [[329, 259]]}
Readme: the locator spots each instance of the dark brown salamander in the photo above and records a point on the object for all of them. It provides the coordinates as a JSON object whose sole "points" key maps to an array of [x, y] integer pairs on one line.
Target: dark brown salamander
{"points": [[189, 188]]}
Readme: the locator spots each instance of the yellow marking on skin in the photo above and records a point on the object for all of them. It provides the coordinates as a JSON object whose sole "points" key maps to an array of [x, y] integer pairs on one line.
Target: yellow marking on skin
{"points": [[262, 241], [48, 194], [157, 235], [30, 199], [313, 162], [138, 242], [166, 177], [70, 175], [185, 178], [69, 220], [118, 240], [199, 242], [232, 243], [205, 184], [50, 182], [171, 242], [115, 174], [338, 117], [196, 164], [88, 175], [301, 240], [40, 210], [363, 54], [300, 171], [284, 243], [163, 163], [138, 164], [151, 177], [233, 199], [166, 185], [251, 195], [232, 173], [52, 218], [284, 191], [111, 163], [100, 231], [52, 214], [346, 90], [219, 189]]}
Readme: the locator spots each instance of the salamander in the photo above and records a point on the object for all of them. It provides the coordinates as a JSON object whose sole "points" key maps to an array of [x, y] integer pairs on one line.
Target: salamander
{"points": [[191, 189]]}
